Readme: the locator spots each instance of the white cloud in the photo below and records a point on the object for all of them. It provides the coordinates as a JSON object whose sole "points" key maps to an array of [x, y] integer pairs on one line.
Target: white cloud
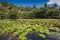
{"points": [[54, 1]]}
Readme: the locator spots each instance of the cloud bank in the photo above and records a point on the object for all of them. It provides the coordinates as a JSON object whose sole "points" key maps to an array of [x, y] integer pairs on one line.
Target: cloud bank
{"points": [[53, 2]]}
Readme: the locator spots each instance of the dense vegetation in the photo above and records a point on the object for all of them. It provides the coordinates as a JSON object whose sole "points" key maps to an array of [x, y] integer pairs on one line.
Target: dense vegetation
{"points": [[10, 11], [29, 23], [19, 29]]}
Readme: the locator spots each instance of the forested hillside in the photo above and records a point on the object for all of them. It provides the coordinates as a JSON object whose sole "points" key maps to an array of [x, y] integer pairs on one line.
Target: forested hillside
{"points": [[10, 11]]}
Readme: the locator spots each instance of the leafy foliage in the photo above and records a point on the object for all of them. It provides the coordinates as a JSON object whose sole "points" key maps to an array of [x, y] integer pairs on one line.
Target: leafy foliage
{"points": [[45, 12], [22, 28]]}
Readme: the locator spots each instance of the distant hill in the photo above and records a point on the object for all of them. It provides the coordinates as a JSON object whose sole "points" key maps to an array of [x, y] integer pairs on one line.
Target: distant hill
{"points": [[15, 12]]}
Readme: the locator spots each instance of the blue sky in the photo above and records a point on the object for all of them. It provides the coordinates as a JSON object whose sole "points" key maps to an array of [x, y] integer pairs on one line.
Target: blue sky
{"points": [[27, 2]]}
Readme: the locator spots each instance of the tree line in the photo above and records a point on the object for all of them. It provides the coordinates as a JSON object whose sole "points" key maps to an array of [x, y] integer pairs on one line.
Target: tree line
{"points": [[10, 11]]}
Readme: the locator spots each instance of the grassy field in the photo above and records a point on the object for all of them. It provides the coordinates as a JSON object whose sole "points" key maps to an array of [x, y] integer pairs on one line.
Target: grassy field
{"points": [[20, 28]]}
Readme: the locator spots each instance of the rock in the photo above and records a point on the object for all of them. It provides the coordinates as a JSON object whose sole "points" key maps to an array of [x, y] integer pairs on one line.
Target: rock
{"points": [[34, 36]]}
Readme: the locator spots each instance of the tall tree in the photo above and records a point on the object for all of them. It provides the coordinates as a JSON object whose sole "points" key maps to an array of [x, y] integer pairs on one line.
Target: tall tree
{"points": [[34, 6], [55, 5], [4, 4], [45, 5]]}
